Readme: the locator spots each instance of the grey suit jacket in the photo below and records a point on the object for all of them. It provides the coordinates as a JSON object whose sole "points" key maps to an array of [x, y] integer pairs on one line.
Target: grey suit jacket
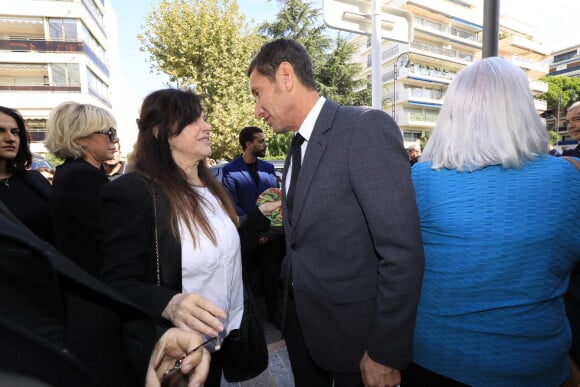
{"points": [[354, 249]]}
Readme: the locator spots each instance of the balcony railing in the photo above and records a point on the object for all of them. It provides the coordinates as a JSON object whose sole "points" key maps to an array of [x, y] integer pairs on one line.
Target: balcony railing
{"points": [[40, 87], [441, 51], [26, 45], [423, 117]]}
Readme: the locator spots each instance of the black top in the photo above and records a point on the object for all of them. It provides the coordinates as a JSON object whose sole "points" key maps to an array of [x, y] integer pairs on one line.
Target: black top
{"points": [[253, 168], [75, 211], [26, 194]]}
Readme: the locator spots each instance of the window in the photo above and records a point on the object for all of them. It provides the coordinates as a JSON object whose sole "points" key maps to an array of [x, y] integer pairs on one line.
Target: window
{"points": [[63, 29], [65, 74]]}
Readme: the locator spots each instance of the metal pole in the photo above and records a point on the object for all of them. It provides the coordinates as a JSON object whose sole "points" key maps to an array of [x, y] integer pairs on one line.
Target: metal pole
{"points": [[376, 55], [558, 113], [490, 28]]}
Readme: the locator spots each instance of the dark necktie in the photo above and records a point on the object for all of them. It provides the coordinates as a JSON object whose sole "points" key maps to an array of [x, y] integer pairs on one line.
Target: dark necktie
{"points": [[296, 163]]}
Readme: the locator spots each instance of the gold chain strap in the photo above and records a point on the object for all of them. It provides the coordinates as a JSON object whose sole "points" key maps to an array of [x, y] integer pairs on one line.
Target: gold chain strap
{"points": [[157, 264]]}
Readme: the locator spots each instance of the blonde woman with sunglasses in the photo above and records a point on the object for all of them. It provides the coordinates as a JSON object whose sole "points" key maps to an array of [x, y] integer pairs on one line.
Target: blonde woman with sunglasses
{"points": [[84, 136]]}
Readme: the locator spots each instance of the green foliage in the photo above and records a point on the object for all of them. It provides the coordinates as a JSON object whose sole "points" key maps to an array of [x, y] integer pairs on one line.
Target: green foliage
{"points": [[554, 137], [206, 46], [560, 87], [55, 161]]}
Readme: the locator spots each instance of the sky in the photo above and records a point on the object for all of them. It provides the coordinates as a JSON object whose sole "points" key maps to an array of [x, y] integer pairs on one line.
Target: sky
{"points": [[558, 23]]}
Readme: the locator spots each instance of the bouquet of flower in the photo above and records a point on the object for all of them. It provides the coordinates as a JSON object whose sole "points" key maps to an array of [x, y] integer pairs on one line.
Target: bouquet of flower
{"points": [[270, 195]]}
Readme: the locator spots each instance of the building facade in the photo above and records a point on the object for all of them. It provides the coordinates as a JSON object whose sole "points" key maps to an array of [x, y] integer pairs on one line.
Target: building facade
{"points": [[564, 62], [56, 51], [448, 36]]}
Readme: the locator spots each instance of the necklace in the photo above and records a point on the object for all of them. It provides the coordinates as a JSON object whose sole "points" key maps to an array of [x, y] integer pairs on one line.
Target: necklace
{"points": [[5, 181]]}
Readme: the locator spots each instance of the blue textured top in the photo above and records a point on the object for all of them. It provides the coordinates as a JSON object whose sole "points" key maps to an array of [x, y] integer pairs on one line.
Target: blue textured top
{"points": [[499, 247]]}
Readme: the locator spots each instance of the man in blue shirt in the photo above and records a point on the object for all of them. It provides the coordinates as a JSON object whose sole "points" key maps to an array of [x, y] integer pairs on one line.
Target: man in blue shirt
{"points": [[245, 178]]}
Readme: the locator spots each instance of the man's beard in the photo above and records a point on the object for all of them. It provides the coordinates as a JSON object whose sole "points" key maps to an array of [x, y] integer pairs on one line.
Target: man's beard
{"points": [[260, 154]]}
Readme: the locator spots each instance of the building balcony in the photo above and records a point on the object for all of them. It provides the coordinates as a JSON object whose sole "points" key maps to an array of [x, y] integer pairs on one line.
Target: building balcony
{"points": [[415, 119], [41, 88], [534, 70], [439, 52], [420, 96], [521, 46], [40, 45], [538, 87], [541, 106], [427, 74]]}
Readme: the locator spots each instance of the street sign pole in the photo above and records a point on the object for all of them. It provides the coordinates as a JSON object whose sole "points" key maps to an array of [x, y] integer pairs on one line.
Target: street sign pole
{"points": [[374, 19]]}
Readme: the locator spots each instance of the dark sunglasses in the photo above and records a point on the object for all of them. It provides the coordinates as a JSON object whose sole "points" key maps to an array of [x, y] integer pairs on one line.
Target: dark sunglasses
{"points": [[111, 132]]}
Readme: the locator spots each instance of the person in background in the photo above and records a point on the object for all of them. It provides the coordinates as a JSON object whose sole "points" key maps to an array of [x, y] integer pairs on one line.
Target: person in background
{"points": [[414, 151], [171, 242], [25, 192], [65, 328], [498, 245], [573, 120], [245, 178], [354, 258], [84, 136], [115, 167], [572, 297]]}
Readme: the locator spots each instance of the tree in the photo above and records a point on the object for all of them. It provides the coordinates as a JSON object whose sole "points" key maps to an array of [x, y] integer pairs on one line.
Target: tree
{"points": [[560, 88], [206, 46], [339, 78]]}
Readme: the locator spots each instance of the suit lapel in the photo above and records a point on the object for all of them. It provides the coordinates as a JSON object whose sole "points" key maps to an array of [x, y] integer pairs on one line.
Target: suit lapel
{"points": [[314, 151]]}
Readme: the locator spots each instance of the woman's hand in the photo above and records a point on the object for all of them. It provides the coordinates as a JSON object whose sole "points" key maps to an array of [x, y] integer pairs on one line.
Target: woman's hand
{"points": [[194, 312], [267, 207], [172, 346]]}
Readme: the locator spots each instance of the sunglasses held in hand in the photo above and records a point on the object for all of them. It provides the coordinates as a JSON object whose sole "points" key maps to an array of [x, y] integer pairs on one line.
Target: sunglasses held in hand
{"points": [[167, 379]]}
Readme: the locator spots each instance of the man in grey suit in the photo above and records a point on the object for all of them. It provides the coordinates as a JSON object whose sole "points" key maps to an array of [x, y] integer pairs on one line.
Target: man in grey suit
{"points": [[354, 260]]}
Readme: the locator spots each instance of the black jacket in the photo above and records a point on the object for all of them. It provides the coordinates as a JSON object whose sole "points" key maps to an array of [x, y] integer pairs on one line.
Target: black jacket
{"points": [[59, 324], [75, 211], [129, 242]]}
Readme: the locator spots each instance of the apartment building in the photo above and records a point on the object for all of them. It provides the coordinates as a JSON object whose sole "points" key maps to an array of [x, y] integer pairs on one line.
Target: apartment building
{"points": [[55, 51], [448, 36]]}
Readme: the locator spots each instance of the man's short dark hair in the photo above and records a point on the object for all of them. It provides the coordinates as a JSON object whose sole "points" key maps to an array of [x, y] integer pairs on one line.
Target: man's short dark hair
{"points": [[247, 134], [273, 53]]}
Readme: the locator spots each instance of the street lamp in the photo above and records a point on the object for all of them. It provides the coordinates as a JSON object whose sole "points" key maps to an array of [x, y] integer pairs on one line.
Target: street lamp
{"points": [[396, 75]]}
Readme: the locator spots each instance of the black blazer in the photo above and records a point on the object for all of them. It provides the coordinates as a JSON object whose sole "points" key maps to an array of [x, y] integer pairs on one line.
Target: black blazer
{"points": [[129, 244], [75, 211], [59, 324], [25, 186]]}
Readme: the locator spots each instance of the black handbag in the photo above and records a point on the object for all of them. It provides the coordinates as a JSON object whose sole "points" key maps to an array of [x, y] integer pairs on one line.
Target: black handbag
{"points": [[245, 353]]}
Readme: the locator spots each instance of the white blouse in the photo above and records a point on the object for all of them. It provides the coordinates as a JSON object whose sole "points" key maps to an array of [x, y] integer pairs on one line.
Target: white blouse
{"points": [[214, 271]]}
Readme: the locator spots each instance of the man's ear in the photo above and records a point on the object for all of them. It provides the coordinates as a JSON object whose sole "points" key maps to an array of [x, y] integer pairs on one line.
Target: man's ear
{"points": [[286, 74], [156, 132]]}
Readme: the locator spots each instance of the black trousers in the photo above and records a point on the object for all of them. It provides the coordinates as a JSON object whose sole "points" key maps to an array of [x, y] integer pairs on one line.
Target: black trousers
{"points": [[306, 372], [417, 376]]}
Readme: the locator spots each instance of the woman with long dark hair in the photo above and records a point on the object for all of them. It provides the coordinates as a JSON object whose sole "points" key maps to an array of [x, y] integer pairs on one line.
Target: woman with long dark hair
{"points": [[171, 231]]}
